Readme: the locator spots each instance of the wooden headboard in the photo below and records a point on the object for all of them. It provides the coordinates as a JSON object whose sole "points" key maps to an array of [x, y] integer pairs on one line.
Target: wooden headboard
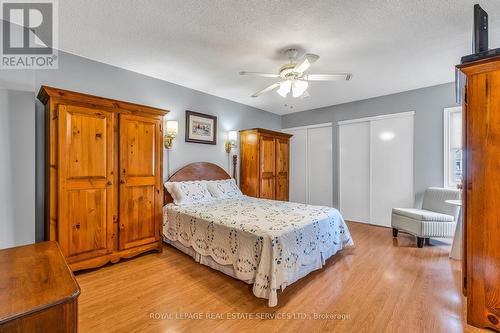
{"points": [[196, 171]]}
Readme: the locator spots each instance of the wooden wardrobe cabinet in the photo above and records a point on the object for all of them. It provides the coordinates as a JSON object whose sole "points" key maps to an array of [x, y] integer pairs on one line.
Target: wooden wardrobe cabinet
{"points": [[103, 177], [264, 166], [481, 193]]}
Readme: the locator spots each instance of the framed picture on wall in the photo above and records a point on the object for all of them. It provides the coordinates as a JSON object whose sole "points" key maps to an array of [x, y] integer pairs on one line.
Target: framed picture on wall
{"points": [[201, 128]]}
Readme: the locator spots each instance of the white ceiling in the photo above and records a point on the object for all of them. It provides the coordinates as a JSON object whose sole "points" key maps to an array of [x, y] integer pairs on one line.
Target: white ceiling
{"points": [[389, 45]]}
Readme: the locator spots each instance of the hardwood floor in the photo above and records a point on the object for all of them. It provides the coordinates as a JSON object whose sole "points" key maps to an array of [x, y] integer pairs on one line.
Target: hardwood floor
{"points": [[381, 285]]}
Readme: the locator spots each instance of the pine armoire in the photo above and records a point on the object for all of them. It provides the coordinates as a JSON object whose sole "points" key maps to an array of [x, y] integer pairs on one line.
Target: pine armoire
{"points": [[264, 166], [481, 192], [104, 191]]}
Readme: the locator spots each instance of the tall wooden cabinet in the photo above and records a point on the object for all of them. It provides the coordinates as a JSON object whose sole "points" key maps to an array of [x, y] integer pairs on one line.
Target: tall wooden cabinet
{"points": [[103, 177], [264, 165], [481, 194]]}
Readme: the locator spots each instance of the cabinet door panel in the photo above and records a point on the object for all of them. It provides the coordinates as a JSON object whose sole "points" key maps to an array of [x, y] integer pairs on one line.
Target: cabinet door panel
{"points": [[267, 167], [140, 181], [267, 188], [249, 164], [482, 191], [282, 188], [140, 144], [85, 159], [86, 146], [87, 220], [140, 214], [282, 153]]}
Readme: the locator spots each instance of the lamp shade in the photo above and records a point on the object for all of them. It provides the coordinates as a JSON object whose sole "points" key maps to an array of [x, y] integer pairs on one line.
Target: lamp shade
{"points": [[172, 127], [232, 136]]}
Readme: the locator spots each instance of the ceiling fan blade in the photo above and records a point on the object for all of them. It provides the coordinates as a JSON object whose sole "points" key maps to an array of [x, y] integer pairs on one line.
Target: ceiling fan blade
{"points": [[309, 59], [328, 77], [260, 74], [271, 87]]}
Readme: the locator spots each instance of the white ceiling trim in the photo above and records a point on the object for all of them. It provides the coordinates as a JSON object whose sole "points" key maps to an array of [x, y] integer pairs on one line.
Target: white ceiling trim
{"points": [[374, 118]]}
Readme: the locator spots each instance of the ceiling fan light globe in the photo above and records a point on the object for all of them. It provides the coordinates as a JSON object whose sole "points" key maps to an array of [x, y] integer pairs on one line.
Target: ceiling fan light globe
{"points": [[299, 87], [284, 89]]}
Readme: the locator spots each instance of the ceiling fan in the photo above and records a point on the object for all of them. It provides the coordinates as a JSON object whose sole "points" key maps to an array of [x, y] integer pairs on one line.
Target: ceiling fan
{"points": [[293, 77]]}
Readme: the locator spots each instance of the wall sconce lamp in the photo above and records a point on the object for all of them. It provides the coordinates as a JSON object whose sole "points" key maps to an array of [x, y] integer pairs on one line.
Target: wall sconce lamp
{"points": [[232, 136], [170, 134]]}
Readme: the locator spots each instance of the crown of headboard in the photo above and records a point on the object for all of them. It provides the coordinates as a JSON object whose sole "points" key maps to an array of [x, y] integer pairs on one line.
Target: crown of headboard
{"points": [[196, 171]]}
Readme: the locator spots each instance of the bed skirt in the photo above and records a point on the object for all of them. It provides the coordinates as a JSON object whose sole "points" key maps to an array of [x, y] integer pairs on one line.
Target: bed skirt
{"points": [[229, 270], [204, 260]]}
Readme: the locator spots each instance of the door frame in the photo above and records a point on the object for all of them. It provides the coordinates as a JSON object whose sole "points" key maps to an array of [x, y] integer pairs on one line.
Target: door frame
{"points": [[307, 127]]}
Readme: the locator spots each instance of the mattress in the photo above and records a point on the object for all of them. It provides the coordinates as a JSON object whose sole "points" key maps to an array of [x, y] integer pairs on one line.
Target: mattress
{"points": [[268, 243]]}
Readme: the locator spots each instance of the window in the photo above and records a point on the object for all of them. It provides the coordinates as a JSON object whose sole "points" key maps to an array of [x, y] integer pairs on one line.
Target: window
{"points": [[453, 166]]}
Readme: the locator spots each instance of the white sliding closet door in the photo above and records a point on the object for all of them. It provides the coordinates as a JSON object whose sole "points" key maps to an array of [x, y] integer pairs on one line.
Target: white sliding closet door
{"points": [[298, 166], [392, 167], [354, 171], [320, 166], [311, 161], [376, 167]]}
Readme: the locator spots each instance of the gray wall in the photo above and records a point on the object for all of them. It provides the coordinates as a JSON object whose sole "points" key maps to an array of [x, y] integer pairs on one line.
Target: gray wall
{"points": [[17, 170], [428, 104], [87, 76]]}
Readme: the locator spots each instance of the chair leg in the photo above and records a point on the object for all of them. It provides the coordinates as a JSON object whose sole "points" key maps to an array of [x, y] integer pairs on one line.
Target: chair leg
{"points": [[394, 232], [420, 242]]}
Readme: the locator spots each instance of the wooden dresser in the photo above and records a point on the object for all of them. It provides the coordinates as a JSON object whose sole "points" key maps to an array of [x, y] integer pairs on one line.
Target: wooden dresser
{"points": [[104, 186], [38, 292], [264, 166], [481, 196]]}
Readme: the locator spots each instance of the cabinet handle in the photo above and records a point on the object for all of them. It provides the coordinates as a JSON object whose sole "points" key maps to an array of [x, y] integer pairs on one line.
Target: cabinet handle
{"points": [[77, 226], [109, 183], [122, 181]]}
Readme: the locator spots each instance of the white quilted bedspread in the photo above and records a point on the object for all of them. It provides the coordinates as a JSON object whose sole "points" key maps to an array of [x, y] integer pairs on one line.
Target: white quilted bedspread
{"points": [[268, 242]]}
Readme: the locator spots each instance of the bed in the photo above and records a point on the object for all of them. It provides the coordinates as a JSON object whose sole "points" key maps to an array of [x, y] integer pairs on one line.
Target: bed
{"points": [[267, 243]]}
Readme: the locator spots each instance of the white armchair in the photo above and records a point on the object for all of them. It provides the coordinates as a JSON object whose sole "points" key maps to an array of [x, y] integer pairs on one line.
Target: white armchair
{"points": [[436, 219]]}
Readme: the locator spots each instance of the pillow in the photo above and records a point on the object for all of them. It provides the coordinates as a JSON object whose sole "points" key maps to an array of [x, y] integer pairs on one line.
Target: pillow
{"points": [[222, 189], [188, 192], [170, 186]]}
